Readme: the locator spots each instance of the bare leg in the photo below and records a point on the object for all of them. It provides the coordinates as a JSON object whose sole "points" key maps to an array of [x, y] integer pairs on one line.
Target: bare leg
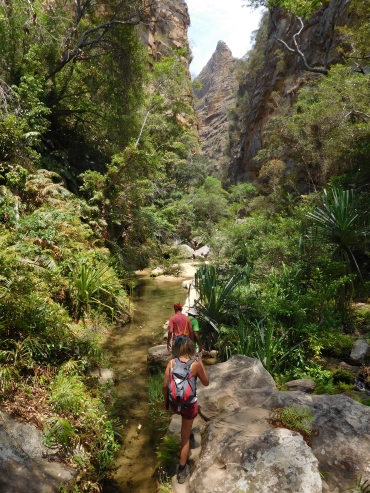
{"points": [[186, 426]]}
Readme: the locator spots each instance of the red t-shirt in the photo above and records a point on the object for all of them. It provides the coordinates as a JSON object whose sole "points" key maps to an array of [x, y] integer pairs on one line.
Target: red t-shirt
{"points": [[180, 325]]}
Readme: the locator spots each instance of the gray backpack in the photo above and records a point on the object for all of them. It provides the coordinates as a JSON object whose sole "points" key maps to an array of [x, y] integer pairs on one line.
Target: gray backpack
{"points": [[181, 385]]}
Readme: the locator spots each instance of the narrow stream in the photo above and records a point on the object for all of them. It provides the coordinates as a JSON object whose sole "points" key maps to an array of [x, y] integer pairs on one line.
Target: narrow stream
{"points": [[127, 348]]}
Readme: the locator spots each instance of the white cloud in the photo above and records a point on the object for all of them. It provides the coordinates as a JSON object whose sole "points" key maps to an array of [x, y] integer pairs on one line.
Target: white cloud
{"points": [[215, 20]]}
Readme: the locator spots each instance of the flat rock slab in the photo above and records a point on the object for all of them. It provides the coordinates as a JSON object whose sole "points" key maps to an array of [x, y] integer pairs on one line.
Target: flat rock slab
{"points": [[237, 383], [241, 452], [23, 468]]}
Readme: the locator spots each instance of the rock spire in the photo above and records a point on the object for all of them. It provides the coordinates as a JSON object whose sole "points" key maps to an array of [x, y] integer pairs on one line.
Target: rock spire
{"points": [[213, 102]]}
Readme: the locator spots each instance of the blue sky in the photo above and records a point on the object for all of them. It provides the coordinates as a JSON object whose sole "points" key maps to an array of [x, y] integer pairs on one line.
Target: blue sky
{"points": [[215, 20]]}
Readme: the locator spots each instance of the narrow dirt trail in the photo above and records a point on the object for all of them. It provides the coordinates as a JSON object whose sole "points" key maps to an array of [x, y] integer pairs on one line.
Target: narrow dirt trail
{"points": [[127, 348]]}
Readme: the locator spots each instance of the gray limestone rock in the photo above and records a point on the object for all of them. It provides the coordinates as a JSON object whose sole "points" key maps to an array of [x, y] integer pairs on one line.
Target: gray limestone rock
{"points": [[360, 351], [186, 251], [24, 464], [239, 382], [159, 356], [213, 102], [202, 252], [242, 453], [342, 446]]}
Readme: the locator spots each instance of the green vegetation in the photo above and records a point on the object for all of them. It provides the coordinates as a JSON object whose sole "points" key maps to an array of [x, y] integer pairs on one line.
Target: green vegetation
{"points": [[101, 174], [294, 418], [302, 231], [168, 453], [97, 146], [361, 486]]}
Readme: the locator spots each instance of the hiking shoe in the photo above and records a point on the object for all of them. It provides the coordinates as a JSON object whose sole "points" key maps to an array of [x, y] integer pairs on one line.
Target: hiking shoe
{"points": [[192, 441], [181, 476]]}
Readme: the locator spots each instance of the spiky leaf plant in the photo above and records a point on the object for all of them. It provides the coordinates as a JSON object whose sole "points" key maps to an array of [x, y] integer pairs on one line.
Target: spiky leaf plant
{"points": [[59, 431], [297, 418], [68, 394], [8, 377], [361, 486], [339, 223], [215, 297], [93, 282]]}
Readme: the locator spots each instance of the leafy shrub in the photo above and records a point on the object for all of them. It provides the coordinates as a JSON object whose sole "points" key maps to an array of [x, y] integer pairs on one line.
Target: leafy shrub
{"points": [[343, 376], [294, 418], [168, 452], [68, 394]]}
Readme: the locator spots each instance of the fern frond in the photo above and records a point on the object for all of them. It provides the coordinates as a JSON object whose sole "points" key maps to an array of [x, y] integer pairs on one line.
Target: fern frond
{"points": [[8, 377], [59, 431]]}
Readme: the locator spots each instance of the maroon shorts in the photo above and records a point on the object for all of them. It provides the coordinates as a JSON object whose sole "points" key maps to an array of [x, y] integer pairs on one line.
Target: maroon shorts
{"points": [[189, 412]]}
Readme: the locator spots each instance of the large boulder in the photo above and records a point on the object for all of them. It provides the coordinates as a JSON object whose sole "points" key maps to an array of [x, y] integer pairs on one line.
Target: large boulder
{"points": [[360, 351], [240, 452], [342, 446], [237, 402], [186, 251], [24, 464], [237, 383], [202, 252], [159, 356]]}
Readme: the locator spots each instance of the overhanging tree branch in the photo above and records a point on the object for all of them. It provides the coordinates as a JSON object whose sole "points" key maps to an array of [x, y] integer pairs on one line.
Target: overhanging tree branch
{"points": [[299, 52], [93, 36]]}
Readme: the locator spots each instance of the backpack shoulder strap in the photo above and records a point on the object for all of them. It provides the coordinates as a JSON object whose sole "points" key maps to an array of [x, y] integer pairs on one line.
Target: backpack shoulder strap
{"points": [[189, 363]]}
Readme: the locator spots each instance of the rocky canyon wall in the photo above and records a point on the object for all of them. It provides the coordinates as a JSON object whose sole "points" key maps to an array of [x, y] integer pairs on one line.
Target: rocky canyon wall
{"points": [[213, 102], [284, 73], [233, 107], [167, 27]]}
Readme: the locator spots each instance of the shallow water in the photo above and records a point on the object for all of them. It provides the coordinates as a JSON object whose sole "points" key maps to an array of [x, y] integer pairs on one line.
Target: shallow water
{"points": [[128, 347]]}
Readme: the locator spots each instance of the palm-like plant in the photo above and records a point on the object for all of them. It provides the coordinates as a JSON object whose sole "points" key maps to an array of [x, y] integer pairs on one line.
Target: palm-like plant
{"points": [[91, 280], [21, 353], [339, 223], [68, 394], [59, 431], [215, 297]]}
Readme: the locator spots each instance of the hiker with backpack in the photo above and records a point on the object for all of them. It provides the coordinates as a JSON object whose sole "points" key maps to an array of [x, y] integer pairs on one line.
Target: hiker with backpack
{"points": [[179, 392], [179, 327]]}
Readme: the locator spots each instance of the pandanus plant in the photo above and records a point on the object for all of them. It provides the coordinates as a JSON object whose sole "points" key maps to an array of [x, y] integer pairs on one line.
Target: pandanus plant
{"points": [[338, 222], [214, 301], [92, 282]]}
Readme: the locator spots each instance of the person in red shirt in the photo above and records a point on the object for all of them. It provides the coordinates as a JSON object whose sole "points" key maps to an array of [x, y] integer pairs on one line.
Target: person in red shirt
{"points": [[179, 326]]}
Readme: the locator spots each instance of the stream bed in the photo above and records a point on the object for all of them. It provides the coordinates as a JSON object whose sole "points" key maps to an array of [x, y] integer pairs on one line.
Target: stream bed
{"points": [[127, 348]]}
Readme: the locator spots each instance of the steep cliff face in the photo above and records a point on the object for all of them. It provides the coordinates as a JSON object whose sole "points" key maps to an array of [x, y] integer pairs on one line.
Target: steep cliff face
{"points": [[283, 73], [213, 102], [167, 28]]}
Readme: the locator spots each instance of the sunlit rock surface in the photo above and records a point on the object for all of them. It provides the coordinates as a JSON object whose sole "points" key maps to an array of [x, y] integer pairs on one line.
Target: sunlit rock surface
{"points": [[167, 29], [283, 78], [241, 450]]}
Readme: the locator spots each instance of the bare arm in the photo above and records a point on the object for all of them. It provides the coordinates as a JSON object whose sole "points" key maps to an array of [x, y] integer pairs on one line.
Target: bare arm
{"points": [[197, 339], [199, 370], [165, 382], [190, 328], [169, 337]]}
